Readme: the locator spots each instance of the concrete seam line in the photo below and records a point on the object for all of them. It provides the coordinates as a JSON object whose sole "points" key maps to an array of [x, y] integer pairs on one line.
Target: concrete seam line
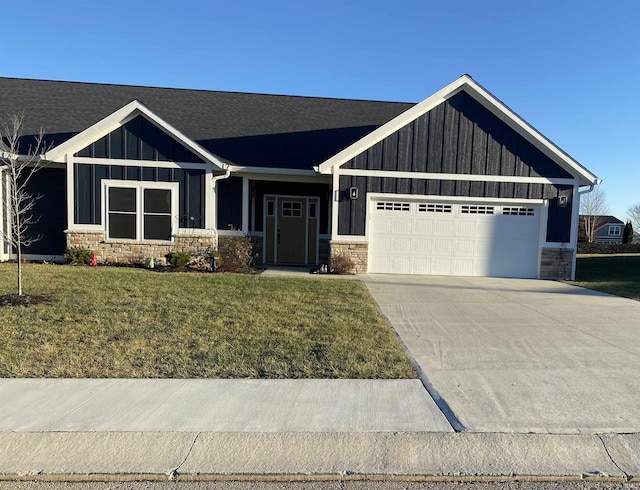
{"points": [[95, 395], [442, 405], [174, 473], [606, 449]]}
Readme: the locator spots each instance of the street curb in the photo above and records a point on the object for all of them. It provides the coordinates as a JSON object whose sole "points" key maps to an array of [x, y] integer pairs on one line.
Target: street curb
{"points": [[375, 456]]}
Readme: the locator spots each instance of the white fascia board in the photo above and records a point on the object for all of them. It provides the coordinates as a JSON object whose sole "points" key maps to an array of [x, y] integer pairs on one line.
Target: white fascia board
{"points": [[270, 171], [279, 174], [117, 119], [488, 100], [464, 177]]}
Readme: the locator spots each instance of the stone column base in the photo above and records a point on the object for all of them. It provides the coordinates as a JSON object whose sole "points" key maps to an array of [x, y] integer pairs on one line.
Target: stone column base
{"points": [[356, 252], [556, 263]]}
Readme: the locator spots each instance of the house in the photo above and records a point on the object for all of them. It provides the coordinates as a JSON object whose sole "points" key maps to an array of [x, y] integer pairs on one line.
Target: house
{"points": [[457, 184], [607, 229]]}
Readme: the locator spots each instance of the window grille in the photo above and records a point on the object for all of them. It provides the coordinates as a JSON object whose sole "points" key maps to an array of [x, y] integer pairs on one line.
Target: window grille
{"points": [[472, 209]]}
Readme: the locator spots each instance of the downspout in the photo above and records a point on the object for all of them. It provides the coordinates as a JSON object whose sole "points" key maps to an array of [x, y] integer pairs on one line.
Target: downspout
{"points": [[580, 193], [214, 181]]}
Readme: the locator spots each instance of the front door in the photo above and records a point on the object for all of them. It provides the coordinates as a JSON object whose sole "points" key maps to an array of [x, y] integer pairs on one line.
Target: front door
{"points": [[291, 229]]}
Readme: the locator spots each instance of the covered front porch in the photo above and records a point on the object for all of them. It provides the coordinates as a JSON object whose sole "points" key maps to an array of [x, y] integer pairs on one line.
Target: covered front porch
{"points": [[288, 218]]}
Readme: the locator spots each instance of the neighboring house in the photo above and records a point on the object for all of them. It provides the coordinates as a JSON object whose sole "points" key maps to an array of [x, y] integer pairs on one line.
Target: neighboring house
{"points": [[455, 185], [608, 229]]}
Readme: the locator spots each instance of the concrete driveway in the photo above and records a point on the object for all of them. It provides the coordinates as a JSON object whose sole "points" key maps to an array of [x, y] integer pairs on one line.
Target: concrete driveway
{"points": [[519, 355]]}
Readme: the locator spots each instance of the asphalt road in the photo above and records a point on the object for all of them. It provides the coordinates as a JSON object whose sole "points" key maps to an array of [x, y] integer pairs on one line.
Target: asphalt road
{"points": [[344, 485]]}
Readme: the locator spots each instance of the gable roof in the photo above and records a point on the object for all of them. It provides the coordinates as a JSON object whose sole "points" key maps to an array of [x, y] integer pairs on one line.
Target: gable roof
{"points": [[113, 121], [604, 219], [245, 129], [488, 100]]}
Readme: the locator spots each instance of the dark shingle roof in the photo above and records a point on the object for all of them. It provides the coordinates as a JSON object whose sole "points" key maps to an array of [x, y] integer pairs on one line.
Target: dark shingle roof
{"points": [[246, 129], [604, 219]]}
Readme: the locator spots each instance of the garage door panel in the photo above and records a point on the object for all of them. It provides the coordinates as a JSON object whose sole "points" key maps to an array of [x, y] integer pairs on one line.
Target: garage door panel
{"points": [[423, 226], [465, 247], [441, 266], [464, 266], [422, 246], [402, 245], [466, 228], [403, 226], [444, 227], [479, 240], [442, 247]]}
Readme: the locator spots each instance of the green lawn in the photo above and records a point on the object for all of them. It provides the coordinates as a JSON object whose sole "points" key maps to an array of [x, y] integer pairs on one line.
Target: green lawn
{"points": [[124, 322], [615, 274]]}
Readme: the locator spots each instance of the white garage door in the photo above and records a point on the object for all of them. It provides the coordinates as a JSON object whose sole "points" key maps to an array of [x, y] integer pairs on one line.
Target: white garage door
{"points": [[410, 237]]}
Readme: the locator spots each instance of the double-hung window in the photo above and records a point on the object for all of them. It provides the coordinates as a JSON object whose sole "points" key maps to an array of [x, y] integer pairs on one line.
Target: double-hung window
{"points": [[140, 210]]}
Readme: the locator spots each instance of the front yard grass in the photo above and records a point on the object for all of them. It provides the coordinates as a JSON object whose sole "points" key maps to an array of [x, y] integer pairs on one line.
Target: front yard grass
{"points": [[133, 323], [614, 274]]}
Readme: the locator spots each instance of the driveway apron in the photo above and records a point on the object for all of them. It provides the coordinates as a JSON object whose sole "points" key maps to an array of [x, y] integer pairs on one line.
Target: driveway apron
{"points": [[520, 355]]}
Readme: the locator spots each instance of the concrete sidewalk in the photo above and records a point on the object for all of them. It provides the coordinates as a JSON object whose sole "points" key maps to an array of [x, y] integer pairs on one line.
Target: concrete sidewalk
{"points": [[220, 405], [106, 430]]}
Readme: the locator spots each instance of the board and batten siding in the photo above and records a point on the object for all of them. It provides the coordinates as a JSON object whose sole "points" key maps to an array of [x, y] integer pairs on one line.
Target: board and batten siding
{"points": [[88, 190], [459, 136], [139, 139], [49, 211]]}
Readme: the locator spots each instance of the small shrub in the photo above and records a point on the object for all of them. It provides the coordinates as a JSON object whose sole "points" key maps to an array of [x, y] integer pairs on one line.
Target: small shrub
{"points": [[236, 253], [341, 263], [77, 255], [178, 259]]}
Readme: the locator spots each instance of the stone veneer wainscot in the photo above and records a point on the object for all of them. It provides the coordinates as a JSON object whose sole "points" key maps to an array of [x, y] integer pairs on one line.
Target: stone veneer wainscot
{"points": [[122, 251], [556, 263], [357, 251]]}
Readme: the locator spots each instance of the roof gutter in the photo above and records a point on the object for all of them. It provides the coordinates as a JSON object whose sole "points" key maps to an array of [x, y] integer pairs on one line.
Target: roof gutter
{"points": [[225, 175], [591, 187]]}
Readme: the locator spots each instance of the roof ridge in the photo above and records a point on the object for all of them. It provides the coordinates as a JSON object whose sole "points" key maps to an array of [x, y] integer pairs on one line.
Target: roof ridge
{"points": [[153, 87]]}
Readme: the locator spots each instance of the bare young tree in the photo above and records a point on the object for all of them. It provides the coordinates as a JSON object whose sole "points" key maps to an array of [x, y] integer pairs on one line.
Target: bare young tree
{"points": [[19, 166], [634, 215], [593, 211]]}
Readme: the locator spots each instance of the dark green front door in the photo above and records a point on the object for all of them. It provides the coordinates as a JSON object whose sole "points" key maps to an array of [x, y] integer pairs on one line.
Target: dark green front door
{"points": [[292, 230]]}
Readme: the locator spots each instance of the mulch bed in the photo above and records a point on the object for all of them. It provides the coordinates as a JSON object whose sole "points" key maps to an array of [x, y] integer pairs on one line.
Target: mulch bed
{"points": [[25, 300]]}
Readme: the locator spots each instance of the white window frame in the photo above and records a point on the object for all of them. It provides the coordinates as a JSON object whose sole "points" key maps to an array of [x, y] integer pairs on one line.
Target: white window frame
{"points": [[140, 186], [615, 230]]}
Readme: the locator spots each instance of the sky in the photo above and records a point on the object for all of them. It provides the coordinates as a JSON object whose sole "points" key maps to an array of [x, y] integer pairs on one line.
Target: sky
{"points": [[569, 68]]}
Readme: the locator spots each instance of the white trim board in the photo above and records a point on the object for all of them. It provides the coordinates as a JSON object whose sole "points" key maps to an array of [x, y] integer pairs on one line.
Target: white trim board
{"points": [[488, 100], [140, 163], [272, 171], [465, 177]]}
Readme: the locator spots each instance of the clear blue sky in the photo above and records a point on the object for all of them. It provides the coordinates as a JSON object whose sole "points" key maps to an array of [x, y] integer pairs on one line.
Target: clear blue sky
{"points": [[570, 68]]}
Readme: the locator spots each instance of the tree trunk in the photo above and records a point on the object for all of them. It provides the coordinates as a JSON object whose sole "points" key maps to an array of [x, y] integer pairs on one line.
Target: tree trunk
{"points": [[19, 270]]}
